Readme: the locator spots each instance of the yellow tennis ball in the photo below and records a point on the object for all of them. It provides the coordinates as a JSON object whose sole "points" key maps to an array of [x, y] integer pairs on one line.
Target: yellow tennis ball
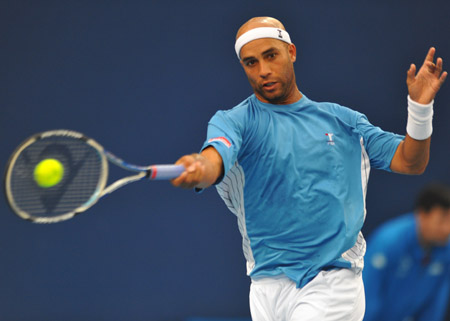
{"points": [[48, 172]]}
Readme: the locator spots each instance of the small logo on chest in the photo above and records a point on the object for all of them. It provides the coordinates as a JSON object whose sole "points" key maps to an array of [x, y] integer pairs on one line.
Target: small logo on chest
{"points": [[330, 138]]}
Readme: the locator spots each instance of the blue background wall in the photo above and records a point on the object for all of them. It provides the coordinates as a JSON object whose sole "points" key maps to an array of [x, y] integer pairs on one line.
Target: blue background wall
{"points": [[143, 78]]}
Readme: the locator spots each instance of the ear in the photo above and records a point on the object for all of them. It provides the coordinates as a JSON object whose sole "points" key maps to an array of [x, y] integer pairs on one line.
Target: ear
{"points": [[292, 52]]}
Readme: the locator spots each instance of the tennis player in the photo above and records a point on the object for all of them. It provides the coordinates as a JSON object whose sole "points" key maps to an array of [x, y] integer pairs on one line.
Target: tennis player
{"points": [[407, 272], [295, 172]]}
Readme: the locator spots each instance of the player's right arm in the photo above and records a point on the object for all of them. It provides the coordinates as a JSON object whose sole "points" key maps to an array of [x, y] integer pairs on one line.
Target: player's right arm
{"points": [[202, 170]]}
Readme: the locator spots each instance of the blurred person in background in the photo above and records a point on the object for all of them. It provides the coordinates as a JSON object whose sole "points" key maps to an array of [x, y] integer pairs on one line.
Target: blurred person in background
{"points": [[407, 270]]}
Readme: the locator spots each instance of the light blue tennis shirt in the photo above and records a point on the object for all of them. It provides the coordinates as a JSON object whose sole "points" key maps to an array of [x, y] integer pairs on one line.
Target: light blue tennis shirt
{"points": [[296, 177]]}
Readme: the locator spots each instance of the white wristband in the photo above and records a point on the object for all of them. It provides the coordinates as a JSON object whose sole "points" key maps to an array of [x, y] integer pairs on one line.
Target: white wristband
{"points": [[419, 125]]}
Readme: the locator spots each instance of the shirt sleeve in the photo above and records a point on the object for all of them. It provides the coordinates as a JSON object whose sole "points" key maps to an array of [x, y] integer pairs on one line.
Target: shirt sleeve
{"points": [[225, 135], [380, 145]]}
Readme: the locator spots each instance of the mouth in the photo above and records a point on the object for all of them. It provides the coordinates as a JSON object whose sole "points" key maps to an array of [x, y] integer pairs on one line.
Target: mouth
{"points": [[269, 85]]}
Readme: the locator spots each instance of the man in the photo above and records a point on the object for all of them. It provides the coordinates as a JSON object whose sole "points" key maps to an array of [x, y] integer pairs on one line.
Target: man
{"points": [[407, 273], [295, 172]]}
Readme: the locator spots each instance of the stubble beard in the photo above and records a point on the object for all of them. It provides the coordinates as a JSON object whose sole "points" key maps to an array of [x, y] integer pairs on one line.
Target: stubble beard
{"points": [[275, 98], [285, 91]]}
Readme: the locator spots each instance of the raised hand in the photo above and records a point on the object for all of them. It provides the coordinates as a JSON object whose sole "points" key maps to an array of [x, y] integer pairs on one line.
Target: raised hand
{"points": [[424, 86]]}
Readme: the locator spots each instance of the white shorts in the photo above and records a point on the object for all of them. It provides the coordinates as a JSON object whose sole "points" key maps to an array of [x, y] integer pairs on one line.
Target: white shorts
{"points": [[335, 295]]}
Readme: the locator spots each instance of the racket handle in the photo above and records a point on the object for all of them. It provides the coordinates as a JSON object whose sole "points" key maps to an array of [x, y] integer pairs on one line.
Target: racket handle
{"points": [[165, 172]]}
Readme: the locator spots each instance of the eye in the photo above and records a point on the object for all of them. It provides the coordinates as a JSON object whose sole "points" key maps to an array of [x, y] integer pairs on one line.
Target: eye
{"points": [[250, 62], [271, 55]]}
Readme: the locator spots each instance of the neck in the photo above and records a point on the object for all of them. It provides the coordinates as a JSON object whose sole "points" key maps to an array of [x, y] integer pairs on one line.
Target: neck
{"points": [[293, 96]]}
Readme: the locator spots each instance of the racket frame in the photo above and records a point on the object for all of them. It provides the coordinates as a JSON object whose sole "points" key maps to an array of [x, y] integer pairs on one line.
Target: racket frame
{"points": [[101, 190], [62, 217]]}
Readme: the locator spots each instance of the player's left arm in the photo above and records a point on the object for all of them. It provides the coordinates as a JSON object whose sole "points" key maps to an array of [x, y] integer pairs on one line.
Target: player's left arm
{"points": [[412, 154]]}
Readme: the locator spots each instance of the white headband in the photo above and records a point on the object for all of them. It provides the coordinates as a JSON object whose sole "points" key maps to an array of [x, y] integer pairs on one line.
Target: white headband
{"points": [[258, 33]]}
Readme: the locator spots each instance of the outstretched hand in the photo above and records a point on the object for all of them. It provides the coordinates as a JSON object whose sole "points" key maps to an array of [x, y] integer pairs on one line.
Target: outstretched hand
{"points": [[202, 170], [193, 175], [424, 86]]}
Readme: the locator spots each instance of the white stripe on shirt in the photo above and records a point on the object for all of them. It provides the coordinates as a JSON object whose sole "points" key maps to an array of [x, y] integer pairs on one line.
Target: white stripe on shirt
{"points": [[231, 190]]}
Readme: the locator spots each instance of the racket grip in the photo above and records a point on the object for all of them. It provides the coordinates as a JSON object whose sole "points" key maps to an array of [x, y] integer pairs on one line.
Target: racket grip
{"points": [[166, 172]]}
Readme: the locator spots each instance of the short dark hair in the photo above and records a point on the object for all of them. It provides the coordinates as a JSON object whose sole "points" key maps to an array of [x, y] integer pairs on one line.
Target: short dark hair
{"points": [[433, 194]]}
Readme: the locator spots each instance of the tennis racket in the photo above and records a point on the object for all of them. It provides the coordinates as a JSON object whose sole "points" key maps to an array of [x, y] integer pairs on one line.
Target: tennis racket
{"points": [[84, 179]]}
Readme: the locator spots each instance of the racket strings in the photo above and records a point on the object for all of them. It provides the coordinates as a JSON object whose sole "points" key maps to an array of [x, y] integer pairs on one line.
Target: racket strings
{"points": [[83, 172]]}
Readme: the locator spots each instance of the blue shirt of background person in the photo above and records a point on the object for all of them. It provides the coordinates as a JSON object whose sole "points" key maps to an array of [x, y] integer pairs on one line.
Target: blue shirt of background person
{"points": [[407, 271]]}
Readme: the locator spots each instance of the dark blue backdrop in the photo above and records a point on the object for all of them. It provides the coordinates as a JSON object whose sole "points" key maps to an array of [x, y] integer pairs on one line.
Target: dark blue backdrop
{"points": [[143, 78]]}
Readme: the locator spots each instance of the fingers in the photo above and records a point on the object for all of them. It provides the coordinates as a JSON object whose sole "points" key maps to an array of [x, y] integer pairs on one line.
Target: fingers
{"points": [[192, 175], [436, 69], [429, 65], [439, 64], [442, 78], [423, 84], [410, 75], [430, 55]]}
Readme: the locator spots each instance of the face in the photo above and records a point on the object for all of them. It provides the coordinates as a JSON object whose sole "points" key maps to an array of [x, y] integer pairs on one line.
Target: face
{"points": [[435, 226], [268, 64]]}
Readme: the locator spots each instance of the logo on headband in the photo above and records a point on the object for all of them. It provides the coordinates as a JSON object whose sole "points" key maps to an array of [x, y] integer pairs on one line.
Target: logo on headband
{"points": [[279, 34]]}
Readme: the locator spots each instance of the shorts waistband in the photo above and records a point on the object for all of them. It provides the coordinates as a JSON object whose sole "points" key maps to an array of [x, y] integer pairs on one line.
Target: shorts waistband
{"points": [[270, 278]]}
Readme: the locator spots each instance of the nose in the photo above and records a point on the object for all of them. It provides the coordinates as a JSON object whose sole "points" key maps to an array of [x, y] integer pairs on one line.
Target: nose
{"points": [[264, 69]]}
